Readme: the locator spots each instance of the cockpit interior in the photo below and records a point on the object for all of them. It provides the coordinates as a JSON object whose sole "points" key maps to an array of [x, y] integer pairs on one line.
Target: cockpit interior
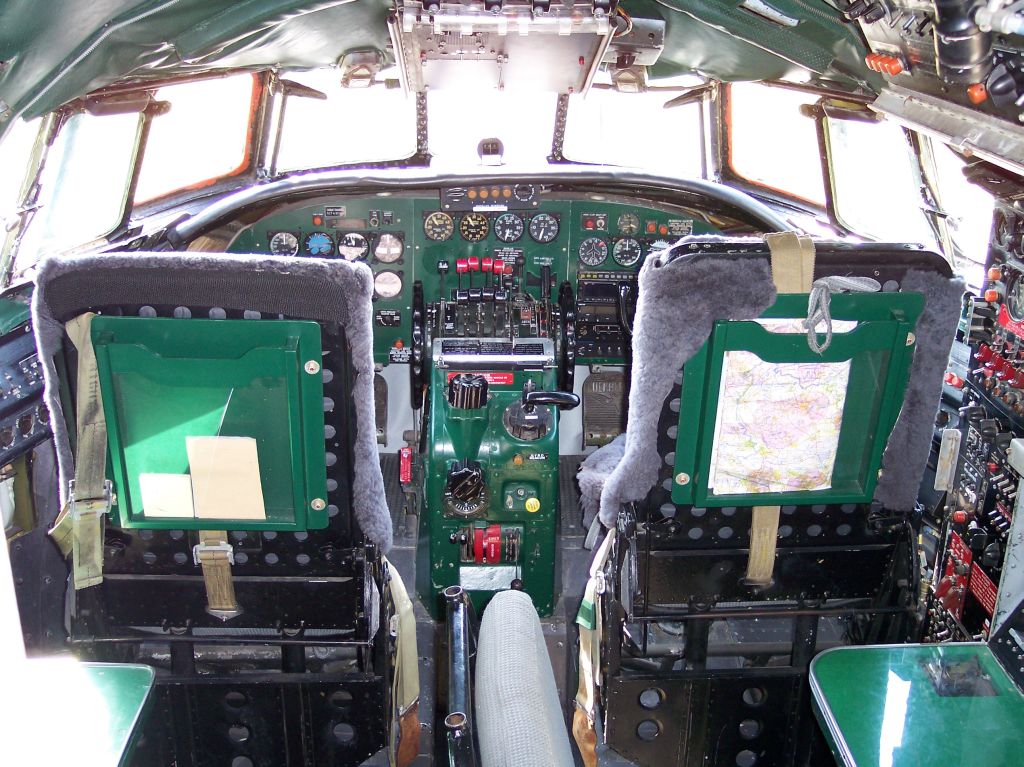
{"points": [[511, 383]]}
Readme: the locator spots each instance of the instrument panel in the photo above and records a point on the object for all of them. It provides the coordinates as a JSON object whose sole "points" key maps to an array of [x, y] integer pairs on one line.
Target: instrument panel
{"points": [[464, 239]]}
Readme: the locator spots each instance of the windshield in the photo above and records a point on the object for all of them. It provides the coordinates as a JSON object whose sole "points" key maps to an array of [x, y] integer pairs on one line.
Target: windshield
{"points": [[639, 130], [347, 126]]}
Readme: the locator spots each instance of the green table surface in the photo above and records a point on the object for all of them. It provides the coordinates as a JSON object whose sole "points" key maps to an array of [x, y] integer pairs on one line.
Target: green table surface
{"points": [[879, 707], [62, 712]]}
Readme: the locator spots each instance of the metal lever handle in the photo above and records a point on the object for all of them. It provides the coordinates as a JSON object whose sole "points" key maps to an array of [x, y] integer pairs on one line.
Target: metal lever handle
{"points": [[625, 292], [563, 400]]}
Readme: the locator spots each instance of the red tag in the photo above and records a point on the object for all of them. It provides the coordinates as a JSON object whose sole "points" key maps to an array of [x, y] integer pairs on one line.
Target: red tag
{"points": [[983, 589], [1012, 325], [405, 465], [956, 584], [492, 543], [493, 379]]}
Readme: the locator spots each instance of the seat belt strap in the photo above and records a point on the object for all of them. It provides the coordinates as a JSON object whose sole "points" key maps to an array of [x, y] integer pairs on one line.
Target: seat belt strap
{"points": [[764, 535], [405, 685], [79, 526], [215, 555], [792, 258], [589, 621]]}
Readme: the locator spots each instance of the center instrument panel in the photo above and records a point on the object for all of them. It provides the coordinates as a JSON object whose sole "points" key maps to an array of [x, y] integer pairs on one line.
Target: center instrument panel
{"points": [[477, 247]]}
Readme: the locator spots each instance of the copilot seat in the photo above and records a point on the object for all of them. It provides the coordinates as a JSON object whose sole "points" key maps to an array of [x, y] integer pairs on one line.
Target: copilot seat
{"points": [[747, 524]]}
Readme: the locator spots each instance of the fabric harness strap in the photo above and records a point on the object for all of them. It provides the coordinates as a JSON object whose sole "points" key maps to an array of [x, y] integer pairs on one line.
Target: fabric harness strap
{"points": [[215, 555], [79, 526], [405, 685], [792, 258], [589, 621]]}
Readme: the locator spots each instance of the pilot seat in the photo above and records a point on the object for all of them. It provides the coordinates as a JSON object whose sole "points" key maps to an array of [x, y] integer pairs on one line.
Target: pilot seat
{"points": [[223, 503]]}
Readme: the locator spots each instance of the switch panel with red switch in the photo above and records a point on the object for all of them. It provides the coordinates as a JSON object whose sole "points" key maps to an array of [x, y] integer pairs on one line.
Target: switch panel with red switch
{"points": [[985, 382]]}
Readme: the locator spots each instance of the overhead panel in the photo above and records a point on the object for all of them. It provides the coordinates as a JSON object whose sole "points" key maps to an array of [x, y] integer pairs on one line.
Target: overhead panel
{"points": [[518, 44]]}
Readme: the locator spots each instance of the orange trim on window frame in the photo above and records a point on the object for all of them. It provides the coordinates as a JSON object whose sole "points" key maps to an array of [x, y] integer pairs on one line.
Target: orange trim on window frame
{"points": [[727, 152]]}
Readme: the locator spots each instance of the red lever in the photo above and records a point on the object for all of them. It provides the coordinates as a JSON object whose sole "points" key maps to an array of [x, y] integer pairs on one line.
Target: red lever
{"points": [[461, 265], [474, 263], [486, 264]]}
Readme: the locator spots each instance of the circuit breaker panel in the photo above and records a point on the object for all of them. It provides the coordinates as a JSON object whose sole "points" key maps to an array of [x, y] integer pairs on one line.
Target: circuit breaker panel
{"points": [[984, 400]]}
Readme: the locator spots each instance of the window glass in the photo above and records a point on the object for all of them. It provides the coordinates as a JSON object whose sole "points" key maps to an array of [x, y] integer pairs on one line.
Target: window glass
{"points": [[635, 130], [203, 136], [15, 151], [968, 210], [523, 120], [771, 144], [84, 184], [876, 182], [353, 125]]}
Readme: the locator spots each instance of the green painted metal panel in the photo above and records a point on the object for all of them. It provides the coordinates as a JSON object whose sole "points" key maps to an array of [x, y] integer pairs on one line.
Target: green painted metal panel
{"points": [[879, 705], [421, 256], [13, 312], [879, 358], [165, 380], [97, 707], [509, 465]]}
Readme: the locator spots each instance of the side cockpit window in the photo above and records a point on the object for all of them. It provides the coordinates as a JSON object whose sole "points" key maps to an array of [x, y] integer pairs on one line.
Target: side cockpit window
{"points": [[200, 136], [84, 184]]}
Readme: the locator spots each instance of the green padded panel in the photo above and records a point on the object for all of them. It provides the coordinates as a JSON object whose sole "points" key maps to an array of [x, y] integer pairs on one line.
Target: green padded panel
{"points": [[879, 706], [166, 380], [73, 713]]}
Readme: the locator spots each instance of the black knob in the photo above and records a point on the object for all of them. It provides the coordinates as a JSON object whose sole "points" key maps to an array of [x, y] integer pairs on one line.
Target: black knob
{"points": [[856, 9], [467, 391], [874, 12], [564, 400], [465, 482]]}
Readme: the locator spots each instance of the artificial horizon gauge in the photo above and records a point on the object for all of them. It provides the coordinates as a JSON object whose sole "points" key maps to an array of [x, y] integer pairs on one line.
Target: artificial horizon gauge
{"points": [[593, 251], [387, 284], [353, 246], [627, 251], [543, 228], [474, 227], [389, 248], [284, 244], [508, 227], [439, 226], [319, 244], [629, 223]]}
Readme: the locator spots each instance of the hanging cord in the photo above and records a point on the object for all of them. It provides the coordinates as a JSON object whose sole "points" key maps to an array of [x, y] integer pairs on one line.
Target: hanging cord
{"points": [[818, 305]]}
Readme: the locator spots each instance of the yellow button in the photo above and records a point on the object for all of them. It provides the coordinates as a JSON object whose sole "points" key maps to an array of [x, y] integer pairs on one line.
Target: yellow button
{"points": [[532, 505]]}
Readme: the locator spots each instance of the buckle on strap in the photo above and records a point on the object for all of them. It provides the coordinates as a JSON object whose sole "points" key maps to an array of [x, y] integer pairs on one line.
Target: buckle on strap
{"points": [[82, 507], [201, 549]]}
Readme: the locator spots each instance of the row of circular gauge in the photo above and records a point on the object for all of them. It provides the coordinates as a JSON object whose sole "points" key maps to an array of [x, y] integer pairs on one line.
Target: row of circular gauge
{"points": [[543, 228], [352, 246]]}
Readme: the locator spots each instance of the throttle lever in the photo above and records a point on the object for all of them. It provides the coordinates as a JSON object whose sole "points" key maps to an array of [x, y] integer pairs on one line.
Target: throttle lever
{"points": [[625, 290]]}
